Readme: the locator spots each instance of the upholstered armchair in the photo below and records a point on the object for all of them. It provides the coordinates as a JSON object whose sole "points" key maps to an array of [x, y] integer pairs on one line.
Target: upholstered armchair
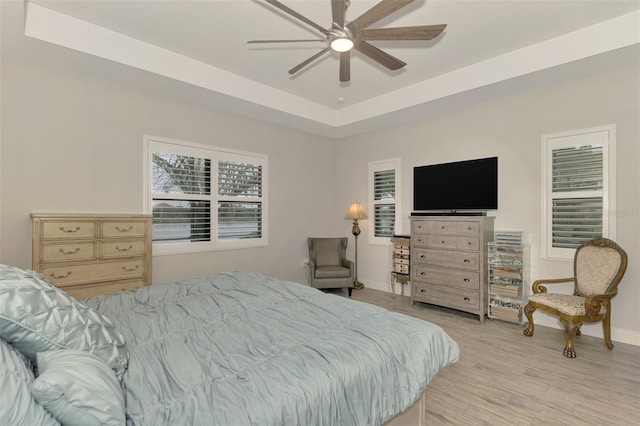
{"points": [[328, 264], [599, 266]]}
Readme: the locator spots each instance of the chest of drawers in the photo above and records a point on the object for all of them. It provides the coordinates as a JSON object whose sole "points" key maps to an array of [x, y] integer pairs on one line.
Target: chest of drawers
{"points": [[449, 254], [90, 254]]}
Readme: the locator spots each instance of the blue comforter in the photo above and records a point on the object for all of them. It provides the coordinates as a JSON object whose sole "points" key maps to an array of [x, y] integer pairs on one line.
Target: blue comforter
{"points": [[241, 348]]}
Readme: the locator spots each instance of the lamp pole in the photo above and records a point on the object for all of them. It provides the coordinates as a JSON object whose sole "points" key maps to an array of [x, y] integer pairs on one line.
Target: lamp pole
{"points": [[356, 212]]}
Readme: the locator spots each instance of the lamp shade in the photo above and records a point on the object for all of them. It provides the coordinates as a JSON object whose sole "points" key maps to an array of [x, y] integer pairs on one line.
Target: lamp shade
{"points": [[355, 212]]}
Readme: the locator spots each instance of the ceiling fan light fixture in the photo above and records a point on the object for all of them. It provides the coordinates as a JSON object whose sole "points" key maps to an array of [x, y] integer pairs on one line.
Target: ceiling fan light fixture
{"points": [[342, 44]]}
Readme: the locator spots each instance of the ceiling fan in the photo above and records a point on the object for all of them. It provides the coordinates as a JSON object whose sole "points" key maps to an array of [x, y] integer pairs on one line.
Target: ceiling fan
{"points": [[343, 36]]}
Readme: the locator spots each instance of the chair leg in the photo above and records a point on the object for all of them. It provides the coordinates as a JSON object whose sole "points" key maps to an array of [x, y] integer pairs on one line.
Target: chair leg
{"points": [[528, 310], [570, 329], [606, 326], [350, 290]]}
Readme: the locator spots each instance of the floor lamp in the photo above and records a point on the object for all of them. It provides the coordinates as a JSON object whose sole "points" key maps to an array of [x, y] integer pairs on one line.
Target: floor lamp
{"points": [[355, 212]]}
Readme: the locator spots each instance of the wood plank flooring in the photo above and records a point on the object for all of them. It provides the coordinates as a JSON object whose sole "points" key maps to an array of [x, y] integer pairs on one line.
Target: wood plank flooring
{"points": [[506, 378]]}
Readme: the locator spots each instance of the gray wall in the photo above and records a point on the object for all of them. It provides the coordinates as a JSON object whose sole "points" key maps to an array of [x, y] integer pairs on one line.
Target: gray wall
{"points": [[511, 128], [71, 143]]}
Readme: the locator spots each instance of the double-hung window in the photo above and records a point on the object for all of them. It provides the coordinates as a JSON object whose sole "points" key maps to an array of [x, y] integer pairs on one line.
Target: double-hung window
{"points": [[384, 196], [204, 198], [579, 189]]}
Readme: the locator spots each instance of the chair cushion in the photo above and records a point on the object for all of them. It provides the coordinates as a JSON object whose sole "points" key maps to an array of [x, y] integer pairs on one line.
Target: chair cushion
{"points": [[332, 271], [567, 304], [595, 269]]}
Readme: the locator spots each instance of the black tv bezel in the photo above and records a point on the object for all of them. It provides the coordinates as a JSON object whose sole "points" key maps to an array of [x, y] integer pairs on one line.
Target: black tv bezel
{"points": [[455, 207]]}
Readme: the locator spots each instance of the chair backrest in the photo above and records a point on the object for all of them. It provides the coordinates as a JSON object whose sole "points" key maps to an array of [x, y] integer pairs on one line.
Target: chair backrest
{"points": [[327, 251], [599, 266]]}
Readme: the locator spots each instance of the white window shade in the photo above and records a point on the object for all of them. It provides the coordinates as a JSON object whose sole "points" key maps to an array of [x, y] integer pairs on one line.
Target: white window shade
{"points": [[384, 200], [580, 178], [205, 198]]}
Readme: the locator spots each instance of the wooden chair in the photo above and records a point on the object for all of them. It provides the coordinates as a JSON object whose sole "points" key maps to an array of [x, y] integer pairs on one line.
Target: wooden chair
{"points": [[598, 267]]}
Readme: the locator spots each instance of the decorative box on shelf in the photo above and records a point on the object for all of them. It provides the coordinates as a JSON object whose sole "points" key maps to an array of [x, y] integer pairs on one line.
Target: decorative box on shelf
{"points": [[400, 265], [508, 267]]}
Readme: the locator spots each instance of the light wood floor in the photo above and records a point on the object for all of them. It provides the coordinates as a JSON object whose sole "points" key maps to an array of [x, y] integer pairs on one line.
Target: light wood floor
{"points": [[506, 378]]}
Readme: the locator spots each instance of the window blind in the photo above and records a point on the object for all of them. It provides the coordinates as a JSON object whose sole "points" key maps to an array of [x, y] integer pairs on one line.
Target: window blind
{"points": [[181, 207], [237, 218], [384, 194], [576, 219]]}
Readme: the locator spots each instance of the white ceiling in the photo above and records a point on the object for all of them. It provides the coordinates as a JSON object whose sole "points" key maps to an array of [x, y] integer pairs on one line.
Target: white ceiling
{"points": [[198, 50]]}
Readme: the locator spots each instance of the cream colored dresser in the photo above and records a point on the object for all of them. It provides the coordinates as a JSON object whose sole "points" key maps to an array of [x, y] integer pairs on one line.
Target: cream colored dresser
{"points": [[88, 254], [448, 261]]}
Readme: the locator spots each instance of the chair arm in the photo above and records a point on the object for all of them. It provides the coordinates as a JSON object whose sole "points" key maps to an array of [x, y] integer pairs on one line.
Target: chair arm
{"points": [[348, 264], [538, 288], [593, 304]]}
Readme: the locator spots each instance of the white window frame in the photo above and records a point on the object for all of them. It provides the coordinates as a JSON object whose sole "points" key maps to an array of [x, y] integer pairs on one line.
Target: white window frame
{"points": [[377, 166], [607, 136], [153, 144]]}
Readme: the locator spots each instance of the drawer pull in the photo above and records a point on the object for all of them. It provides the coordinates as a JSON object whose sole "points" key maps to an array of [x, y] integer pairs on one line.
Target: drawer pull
{"points": [[59, 277], [467, 261], [466, 299], [124, 268], [466, 280], [124, 249], [442, 241], [69, 230], [423, 273], [70, 252], [422, 290], [124, 230], [442, 227]]}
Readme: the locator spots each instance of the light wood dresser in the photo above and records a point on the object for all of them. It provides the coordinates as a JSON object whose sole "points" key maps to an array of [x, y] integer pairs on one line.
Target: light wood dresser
{"points": [[90, 254], [448, 261]]}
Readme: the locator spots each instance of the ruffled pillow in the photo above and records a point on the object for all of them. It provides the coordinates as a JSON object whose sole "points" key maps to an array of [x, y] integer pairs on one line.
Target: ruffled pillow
{"points": [[36, 316], [78, 389], [17, 405]]}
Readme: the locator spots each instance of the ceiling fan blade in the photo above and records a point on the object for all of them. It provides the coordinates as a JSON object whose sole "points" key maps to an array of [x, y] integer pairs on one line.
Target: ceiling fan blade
{"points": [[377, 12], [379, 56], [345, 66], [338, 8], [295, 14], [282, 41], [308, 61], [424, 32]]}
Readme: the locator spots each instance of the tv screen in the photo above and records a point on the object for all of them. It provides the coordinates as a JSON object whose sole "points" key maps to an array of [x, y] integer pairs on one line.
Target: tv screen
{"points": [[463, 185]]}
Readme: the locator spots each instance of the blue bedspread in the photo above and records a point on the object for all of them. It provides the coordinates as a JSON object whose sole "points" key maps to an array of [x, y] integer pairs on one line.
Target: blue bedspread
{"points": [[242, 348]]}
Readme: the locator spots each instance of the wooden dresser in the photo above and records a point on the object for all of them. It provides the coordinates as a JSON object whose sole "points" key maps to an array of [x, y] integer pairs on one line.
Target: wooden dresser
{"points": [[90, 254], [448, 261]]}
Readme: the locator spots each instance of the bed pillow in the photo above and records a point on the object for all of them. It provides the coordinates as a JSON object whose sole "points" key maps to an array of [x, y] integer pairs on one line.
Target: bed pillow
{"points": [[78, 389], [36, 316], [17, 405]]}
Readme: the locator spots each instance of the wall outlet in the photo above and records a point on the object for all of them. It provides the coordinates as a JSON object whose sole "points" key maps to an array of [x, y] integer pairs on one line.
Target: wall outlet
{"points": [[304, 263]]}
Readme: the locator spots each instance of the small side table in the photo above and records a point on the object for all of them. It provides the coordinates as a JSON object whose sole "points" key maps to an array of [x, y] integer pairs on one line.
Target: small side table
{"points": [[400, 265]]}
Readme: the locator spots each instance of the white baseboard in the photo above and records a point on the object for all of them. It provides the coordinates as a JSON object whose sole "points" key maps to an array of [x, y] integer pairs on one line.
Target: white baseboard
{"points": [[541, 318]]}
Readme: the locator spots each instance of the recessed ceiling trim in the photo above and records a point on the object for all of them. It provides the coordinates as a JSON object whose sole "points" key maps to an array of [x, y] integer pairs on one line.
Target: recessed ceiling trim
{"points": [[66, 31]]}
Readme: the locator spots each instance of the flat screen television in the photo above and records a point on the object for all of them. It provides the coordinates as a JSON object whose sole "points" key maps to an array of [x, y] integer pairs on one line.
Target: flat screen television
{"points": [[470, 185]]}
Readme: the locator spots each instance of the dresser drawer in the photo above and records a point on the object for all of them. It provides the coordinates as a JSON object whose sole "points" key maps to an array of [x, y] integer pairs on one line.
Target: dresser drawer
{"points": [[447, 258], [446, 296], [447, 277], [125, 229], [444, 227], [77, 250], [93, 272], [68, 230], [89, 290], [447, 242], [124, 248]]}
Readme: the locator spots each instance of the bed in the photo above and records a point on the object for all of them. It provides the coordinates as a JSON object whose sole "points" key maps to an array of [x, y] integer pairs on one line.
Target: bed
{"points": [[237, 348]]}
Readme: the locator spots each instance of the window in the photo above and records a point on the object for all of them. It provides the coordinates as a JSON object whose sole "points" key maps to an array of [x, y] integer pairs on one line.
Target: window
{"points": [[384, 196], [204, 198], [579, 189]]}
